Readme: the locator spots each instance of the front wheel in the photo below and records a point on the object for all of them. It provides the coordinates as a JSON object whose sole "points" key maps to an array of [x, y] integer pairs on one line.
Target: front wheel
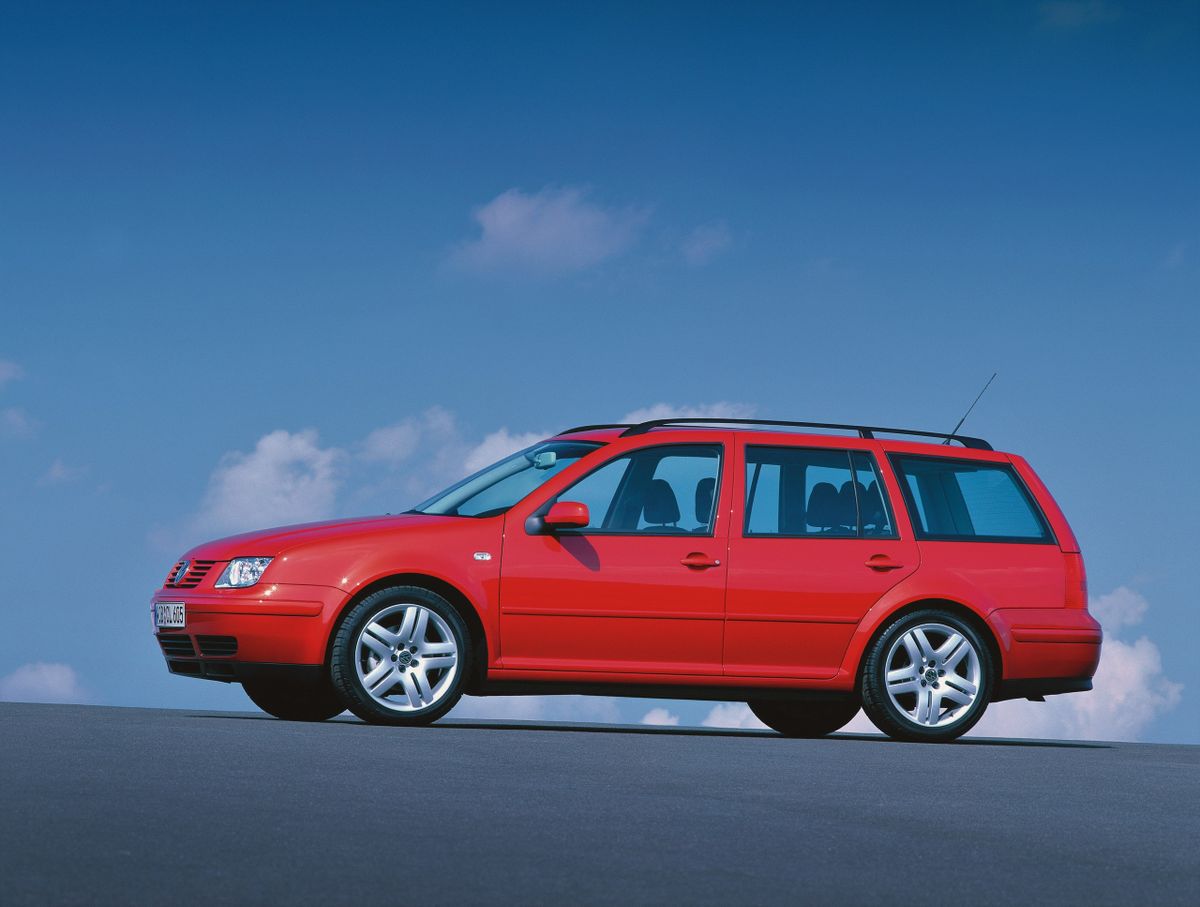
{"points": [[804, 719], [928, 677], [401, 656], [295, 702]]}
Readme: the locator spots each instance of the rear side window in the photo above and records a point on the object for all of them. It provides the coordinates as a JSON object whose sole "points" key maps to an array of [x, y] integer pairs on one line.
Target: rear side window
{"points": [[964, 500], [798, 492]]}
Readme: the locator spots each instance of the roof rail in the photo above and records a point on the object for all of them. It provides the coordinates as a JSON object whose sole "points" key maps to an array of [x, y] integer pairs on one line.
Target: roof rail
{"points": [[578, 428], [864, 431]]}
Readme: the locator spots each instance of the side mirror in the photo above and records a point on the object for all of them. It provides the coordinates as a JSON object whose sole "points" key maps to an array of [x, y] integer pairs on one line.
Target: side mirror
{"points": [[566, 515]]}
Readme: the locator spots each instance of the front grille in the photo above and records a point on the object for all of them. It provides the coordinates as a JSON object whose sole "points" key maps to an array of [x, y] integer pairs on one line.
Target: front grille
{"points": [[217, 646], [192, 576], [177, 646]]}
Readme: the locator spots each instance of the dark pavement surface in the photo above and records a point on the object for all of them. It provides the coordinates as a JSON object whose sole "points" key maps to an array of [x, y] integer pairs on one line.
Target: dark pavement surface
{"points": [[119, 806]]}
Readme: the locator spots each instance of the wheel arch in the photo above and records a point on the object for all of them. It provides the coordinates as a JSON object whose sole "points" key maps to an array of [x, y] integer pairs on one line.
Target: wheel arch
{"points": [[459, 599], [958, 609]]}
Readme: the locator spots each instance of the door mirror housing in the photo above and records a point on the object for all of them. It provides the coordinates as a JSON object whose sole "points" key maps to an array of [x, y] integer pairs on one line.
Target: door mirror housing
{"points": [[566, 515]]}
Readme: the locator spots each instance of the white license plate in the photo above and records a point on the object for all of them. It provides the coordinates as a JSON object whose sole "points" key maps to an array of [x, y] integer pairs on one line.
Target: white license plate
{"points": [[169, 614]]}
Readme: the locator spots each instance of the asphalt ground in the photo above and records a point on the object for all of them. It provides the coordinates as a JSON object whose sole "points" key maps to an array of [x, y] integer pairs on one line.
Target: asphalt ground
{"points": [[121, 806]]}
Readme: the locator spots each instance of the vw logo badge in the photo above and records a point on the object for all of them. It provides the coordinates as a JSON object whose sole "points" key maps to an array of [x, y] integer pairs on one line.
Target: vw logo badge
{"points": [[181, 572]]}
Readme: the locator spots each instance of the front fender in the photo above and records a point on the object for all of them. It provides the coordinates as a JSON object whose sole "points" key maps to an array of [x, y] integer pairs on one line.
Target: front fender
{"points": [[464, 555]]}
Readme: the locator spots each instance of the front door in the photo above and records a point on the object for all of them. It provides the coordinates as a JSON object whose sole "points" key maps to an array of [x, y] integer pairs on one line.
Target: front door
{"points": [[816, 547], [641, 588]]}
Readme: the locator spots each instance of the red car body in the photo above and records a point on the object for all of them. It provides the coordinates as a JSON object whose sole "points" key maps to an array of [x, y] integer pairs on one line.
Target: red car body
{"points": [[678, 616]]}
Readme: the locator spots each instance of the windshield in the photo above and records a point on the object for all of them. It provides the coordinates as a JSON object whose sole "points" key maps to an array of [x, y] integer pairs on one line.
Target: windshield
{"points": [[494, 489]]}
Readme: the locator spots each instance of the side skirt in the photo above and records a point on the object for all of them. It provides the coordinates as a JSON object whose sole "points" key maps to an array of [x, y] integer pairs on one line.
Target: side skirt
{"points": [[654, 691]]}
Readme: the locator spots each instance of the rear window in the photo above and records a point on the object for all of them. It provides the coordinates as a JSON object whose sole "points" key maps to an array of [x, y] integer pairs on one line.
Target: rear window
{"points": [[965, 500]]}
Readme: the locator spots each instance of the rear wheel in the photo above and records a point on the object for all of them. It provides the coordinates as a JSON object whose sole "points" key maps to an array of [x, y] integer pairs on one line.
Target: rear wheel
{"points": [[401, 657], [928, 677], [295, 702], [794, 718]]}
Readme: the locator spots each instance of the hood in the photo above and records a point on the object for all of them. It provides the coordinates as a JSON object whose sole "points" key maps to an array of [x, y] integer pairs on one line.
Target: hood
{"points": [[273, 542]]}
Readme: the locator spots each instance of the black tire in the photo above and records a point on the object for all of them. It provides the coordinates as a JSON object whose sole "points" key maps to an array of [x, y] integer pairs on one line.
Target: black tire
{"points": [[899, 724], [295, 702], [800, 718], [345, 673]]}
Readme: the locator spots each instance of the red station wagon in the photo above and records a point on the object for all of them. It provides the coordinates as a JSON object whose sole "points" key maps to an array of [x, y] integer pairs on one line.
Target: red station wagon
{"points": [[808, 573]]}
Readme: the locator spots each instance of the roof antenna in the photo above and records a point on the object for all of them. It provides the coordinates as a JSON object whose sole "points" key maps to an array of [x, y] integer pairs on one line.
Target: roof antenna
{"points": [[969, 408]]}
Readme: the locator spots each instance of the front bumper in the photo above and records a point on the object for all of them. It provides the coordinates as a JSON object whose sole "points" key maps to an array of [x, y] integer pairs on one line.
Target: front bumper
{"points": [[233, 635], [242, 671]]}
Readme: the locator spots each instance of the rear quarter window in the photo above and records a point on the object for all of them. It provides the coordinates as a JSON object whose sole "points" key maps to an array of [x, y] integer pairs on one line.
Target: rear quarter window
{"points": [[967, 500]]}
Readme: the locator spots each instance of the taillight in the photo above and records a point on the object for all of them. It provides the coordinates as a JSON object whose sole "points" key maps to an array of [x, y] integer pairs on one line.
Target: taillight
{"points": [[1076, 591]]}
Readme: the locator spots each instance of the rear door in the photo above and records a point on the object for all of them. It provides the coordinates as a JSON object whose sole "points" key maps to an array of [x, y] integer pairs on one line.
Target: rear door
{"points": [[814, 545]]}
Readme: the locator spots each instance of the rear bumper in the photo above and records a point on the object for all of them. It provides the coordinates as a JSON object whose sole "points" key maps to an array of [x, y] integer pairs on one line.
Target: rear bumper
{"points": [[1040, 687], [1044, 647], [232, 636]]}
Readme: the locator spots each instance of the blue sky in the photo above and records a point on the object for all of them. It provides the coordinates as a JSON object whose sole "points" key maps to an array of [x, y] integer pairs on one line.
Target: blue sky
{"points": [[290, 260]]}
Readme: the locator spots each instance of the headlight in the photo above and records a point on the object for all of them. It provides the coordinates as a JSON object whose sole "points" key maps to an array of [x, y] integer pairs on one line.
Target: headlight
{"points": [[242, 572]]}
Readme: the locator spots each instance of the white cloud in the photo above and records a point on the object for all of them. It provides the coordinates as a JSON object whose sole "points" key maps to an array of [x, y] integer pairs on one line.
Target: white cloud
{"points": [[554, 231], [9, 371], [705, 243], [1129, 691], [660, 716], [732, 715], [42, 682], [424, 453], [496, 446], [287, 478], [1070, 14], [1120, 608], [689, 411], [60, 473], [290, 477], [421, 454], [16, 423], [539, 708], [392, 443]]}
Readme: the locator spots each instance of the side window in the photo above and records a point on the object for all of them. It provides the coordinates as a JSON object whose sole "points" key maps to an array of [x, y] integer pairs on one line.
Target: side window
{"points": [[967, 500], [598, 490], [666, 490], [874, 509], [797, 492]]}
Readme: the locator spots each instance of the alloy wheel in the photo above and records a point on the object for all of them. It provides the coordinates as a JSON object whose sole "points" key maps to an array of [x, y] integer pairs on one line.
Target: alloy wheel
{"points": [[407, 658], [933, 675]]}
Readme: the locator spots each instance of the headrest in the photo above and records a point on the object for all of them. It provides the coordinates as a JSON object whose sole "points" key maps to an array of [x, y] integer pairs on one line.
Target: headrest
{"points": [[872, 506], [704, 500], [661, 506], [823, 506], [850, 503]]}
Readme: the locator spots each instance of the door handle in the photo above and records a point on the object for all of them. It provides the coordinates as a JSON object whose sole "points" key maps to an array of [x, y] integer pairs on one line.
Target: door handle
{"points": [[882, 562], [699, 561]]}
